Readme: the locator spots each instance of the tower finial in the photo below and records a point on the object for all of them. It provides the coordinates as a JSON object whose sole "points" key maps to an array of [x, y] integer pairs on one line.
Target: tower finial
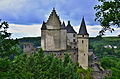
{"points": [[53, 8], [69, 22]]}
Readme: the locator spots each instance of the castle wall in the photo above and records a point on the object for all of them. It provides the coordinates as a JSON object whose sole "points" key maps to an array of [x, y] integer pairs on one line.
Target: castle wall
{"points": [[73, 53], [52, 40], [71, 40], [28, 48], [43, 39], [63, 39]]}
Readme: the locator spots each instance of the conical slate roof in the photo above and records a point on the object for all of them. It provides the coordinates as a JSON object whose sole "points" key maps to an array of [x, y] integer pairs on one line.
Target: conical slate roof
{"points": [[83, 30], [43, 26], [63, 25], [69, 28]]}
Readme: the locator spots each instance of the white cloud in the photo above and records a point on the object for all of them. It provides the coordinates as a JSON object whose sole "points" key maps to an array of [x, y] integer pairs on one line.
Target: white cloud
{"points": [[19, 31], [94, 30]]}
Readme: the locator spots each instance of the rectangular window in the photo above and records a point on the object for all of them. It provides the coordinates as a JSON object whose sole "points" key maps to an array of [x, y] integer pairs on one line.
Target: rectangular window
{"points": [[82, 41], [73, 40]]}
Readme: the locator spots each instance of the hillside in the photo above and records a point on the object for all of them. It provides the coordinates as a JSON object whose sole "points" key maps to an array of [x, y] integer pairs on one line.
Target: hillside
{"points": [[108, 51], [34, 40]]}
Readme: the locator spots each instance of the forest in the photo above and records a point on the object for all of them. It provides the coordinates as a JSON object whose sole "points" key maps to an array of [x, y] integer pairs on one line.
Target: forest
{"points": [[108, 51]]}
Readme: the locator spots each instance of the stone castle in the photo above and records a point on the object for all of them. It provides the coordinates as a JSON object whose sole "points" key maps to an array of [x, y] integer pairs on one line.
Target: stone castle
{"points": [[57, 38]]}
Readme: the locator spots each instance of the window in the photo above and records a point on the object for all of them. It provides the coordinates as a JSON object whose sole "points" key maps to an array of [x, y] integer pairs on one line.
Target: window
{"points": [[73, 35], [73, 40], [82, 41], [82, 35]]}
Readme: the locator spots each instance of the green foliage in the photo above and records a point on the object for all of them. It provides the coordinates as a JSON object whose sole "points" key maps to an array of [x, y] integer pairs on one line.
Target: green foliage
{"points": [[40, 66], [84, 74], [7, 46], [98, 45], [110, 56], [108, 13], [34, 40], [37, 66], [112, 63]]}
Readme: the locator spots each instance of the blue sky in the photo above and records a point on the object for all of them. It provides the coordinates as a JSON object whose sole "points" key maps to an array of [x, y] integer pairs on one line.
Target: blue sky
{"points": [[26, 16]]}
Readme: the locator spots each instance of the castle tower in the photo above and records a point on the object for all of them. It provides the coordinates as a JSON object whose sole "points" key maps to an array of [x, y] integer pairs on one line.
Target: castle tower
{"points": [[83, 45], [53, 36], [43, 35], [71, 37]]}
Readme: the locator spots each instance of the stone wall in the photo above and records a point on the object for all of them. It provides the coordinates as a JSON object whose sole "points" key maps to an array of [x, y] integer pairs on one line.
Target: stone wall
{"points": [[60, 54], [52, 40], [28, 48], [72, 40], [63, 38], [83, 51]]}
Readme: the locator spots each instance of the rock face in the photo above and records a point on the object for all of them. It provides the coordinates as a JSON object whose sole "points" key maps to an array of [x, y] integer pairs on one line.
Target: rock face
{"points": [[56, 37]]}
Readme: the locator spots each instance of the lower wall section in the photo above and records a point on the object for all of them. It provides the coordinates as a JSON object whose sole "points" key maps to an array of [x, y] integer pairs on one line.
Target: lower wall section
{"points": [[60, 54]]}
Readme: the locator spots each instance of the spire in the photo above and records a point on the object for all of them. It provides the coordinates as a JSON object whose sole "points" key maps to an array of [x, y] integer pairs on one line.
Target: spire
{"points": [[83, 30], [63, 25], [54, 20], [43, 26], [70, 28]]}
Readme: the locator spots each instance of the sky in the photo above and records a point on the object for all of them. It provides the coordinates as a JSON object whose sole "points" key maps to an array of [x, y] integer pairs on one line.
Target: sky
{"points": [[25, 17]]}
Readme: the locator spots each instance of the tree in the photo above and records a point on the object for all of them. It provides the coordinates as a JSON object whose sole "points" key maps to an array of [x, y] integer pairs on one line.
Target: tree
{"points": [[8, 46], [108, 14], [37, 66]]}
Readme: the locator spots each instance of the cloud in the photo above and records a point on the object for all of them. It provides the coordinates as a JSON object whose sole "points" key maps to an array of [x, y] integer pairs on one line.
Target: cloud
{"points": [[35, 11], [19, 31], [94, 30]]}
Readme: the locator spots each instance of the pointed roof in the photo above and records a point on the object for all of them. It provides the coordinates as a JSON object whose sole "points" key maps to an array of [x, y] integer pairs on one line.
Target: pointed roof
{"points": [[69, 28], [43, 26], [83, 30], [63, 25], [54, 20]]}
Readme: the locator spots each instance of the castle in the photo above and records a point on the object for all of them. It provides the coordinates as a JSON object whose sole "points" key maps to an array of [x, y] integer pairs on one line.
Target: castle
{"points": [[57, 38]]}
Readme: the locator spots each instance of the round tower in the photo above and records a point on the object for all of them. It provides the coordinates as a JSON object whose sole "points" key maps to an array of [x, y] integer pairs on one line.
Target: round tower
{"points": [[82, 38]]}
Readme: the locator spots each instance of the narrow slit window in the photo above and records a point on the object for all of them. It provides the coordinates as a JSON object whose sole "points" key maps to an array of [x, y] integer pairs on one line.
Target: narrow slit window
{"points": [[82, 41], [73, 40]]}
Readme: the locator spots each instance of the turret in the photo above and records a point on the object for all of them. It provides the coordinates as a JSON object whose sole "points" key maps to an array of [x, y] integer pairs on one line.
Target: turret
{"points": [[63, 25], [44, 26], [83, 45], [43, 35]]}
